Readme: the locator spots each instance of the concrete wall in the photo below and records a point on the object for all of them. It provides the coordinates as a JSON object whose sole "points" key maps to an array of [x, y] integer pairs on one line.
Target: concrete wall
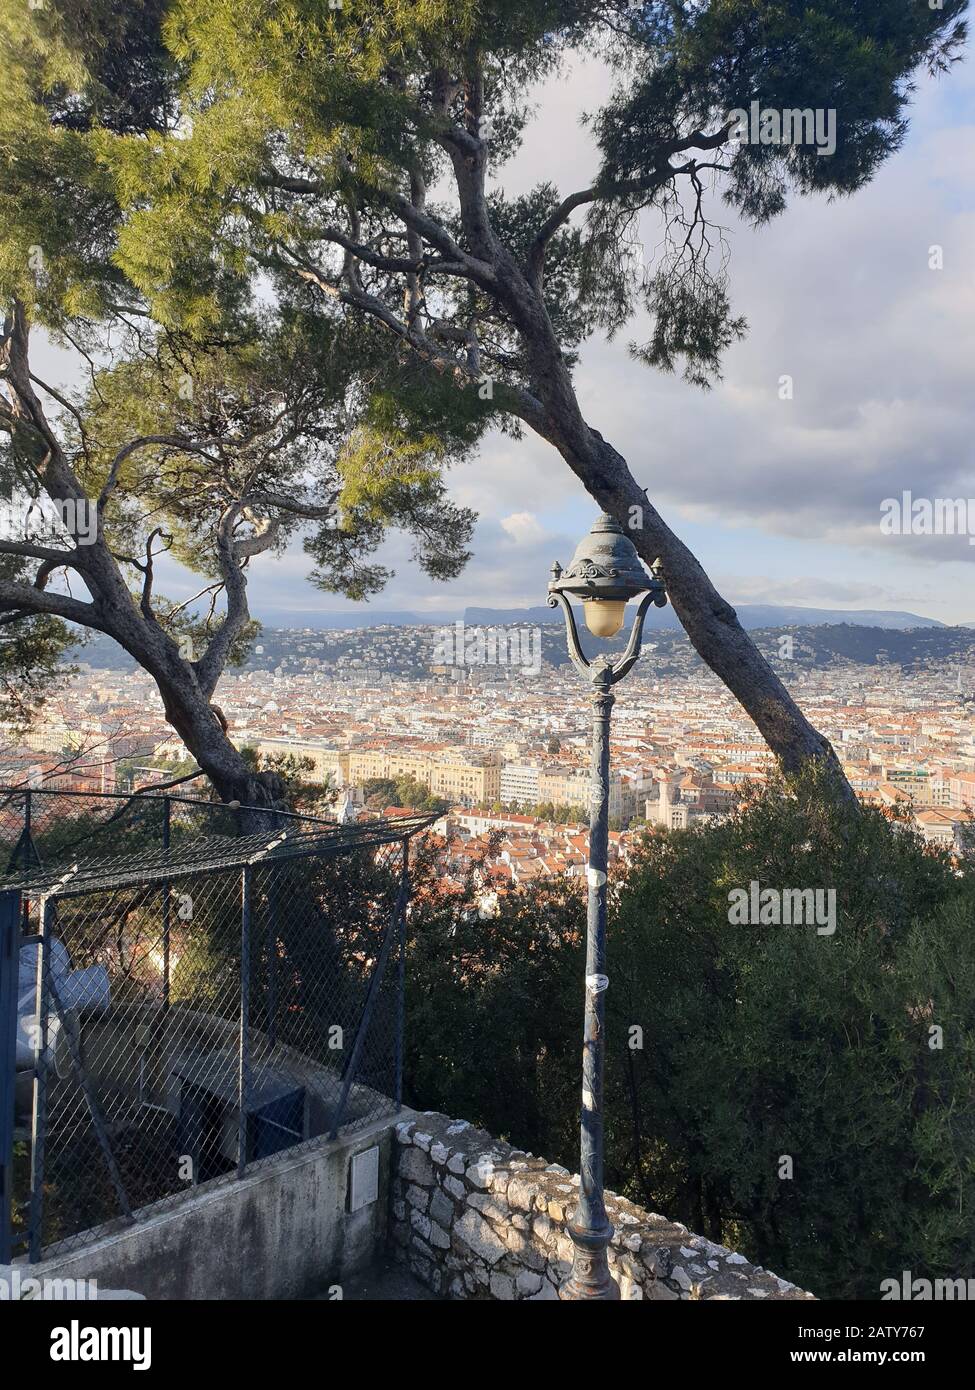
{"points": [[474, 1218], [284, 1231]]}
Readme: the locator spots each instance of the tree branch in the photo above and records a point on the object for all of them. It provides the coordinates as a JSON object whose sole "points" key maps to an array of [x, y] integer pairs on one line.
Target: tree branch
{"points": [[50, 556], [408, 212], [294, 505], [143, 441], [28, 599], [661, 173], [211, 663]]}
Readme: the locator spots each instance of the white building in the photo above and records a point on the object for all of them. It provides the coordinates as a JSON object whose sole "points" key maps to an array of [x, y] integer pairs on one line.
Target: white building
{"points": [[519, 783]]}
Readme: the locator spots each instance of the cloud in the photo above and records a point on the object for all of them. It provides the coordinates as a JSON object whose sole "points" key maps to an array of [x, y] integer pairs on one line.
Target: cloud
{"points": [[841, 298], [523, 528], [876, 345], [811, 591]]}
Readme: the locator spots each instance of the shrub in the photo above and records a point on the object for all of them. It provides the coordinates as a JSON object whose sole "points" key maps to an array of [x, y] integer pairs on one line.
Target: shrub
{"points": [[760, 1044], [769, 1044]]}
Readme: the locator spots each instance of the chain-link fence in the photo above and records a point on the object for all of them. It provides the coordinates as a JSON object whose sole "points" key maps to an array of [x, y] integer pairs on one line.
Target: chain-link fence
{"points": [[38, 825], [181, 1015]]}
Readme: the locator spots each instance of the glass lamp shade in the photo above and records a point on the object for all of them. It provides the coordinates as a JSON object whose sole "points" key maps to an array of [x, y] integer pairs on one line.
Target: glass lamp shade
{"points": [[604, 616]]}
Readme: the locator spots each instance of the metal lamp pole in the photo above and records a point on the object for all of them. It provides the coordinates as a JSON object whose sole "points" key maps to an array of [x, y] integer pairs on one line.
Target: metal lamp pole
{"points": [[605, 573]]}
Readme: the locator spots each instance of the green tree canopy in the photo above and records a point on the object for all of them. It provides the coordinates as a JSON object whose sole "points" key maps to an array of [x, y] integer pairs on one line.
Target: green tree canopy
{"points": [[32, 650], [348, 164]]}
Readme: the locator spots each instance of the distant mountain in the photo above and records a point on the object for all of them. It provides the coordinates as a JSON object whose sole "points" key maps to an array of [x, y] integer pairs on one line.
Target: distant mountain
{"points": [[814, 647], [840, 644], [359, 617], [751, 615]]}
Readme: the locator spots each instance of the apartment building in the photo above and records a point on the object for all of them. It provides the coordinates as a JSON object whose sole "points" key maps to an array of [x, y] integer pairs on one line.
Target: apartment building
{"points": [[464, 776], [53, 735], [570, 786], [915, 780], [329, 765], [950, 829], [961, 790], [519, 784], [689, 800], [862, 777], [469, 780], [388, 760]]}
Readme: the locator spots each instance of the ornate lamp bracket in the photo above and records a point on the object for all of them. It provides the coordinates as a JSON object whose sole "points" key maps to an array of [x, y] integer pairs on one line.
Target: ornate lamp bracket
{"points": [[632, 653], [603, 671], [582, 664]]}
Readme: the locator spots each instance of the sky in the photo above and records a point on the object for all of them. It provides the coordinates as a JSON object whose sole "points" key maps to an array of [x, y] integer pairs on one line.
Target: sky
{"points": [[780, 499]]}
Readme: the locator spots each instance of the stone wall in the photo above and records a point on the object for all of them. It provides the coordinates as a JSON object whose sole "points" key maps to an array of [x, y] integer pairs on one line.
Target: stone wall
{"points": [[474, 1218]]}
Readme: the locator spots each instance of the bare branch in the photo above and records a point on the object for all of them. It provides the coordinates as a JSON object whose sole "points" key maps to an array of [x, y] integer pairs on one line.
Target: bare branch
{"points": [[58, 477], [146, 566], [210, 665], [606, 192], [29, 551], [413, 295], [294, 505], [30, 599], [66, 405], [409, 212], [174, 441], [473, 268]]}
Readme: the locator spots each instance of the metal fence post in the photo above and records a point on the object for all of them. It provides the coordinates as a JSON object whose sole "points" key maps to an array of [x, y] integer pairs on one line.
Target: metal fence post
{"points": [[9, 973], [167, 807], [372, 994], [401, 974], [38, 1127], [271, 1024], [243, 1086], [30, 856]]}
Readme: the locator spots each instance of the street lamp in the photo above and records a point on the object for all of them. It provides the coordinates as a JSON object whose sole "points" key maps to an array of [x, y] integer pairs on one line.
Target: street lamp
{"points": [[605, 574]]}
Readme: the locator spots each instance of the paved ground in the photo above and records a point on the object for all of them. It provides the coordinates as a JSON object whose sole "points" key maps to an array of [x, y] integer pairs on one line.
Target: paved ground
{"points": [[385, 1283]]}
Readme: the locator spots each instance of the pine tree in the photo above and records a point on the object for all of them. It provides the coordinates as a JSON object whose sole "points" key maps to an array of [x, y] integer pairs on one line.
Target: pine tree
{"points": [[337, 161]]}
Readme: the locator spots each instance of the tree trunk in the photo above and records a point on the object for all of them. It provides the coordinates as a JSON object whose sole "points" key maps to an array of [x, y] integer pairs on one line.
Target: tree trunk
{"points": [[187, 705], [709, 621], [713, 628], [199, 726]]}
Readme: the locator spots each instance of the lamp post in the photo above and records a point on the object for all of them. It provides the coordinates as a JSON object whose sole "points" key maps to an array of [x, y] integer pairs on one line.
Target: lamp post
{"points": [[605, 573]]}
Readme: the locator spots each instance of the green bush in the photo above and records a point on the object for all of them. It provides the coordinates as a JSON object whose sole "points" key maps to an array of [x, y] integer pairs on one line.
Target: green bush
{"points": [[769, 1043], [760, 1044], [491, 1008]]}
